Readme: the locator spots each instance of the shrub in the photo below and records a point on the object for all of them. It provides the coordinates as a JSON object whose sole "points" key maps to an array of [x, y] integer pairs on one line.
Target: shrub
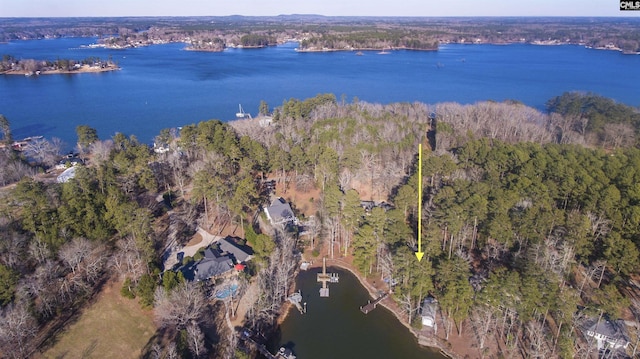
{"points": [[126, 291]]}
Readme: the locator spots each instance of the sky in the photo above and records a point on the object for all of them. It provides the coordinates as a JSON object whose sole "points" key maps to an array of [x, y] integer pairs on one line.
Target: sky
{"points": [[65, 8]]}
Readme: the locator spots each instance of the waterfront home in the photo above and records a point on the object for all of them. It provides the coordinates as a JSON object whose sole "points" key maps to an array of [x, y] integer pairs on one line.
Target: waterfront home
{"points": [[219, 260], [239, 253], [607, 334], [68, 162], [213, 265], [429, 310], [280, 212]]}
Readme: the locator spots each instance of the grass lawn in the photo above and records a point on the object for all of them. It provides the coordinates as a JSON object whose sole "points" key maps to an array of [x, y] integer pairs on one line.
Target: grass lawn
{"points": [[112, 327]]}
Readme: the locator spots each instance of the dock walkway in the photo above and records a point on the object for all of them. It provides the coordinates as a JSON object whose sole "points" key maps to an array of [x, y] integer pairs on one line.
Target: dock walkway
{"points": [[326, 278], [372, 305]]}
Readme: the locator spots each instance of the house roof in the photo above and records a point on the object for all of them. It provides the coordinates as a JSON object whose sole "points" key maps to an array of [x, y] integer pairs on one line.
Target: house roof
{"points": [[212, 253], [212, 267], [615, 329], [429, 307], [280, 211], [68, 174], [240, 253]]}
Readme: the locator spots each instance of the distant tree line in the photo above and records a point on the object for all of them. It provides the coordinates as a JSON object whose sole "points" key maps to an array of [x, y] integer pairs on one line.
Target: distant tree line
{"points": [[215, 33]]}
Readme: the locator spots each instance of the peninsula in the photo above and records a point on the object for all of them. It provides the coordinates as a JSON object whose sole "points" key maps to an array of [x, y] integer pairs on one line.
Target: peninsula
{"points": [[28, 67]]}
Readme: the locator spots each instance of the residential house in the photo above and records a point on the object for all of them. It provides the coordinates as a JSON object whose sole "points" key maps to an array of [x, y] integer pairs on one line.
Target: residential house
{"points": [[212, 265], [608, 334], [219, 260], [429, 310], [369, 205], [69, 162], [239, 252], [280, 212]]}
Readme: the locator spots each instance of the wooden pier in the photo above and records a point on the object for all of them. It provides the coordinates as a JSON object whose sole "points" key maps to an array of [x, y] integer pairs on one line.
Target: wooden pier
{"points": [[326, 278], [372, 305]]}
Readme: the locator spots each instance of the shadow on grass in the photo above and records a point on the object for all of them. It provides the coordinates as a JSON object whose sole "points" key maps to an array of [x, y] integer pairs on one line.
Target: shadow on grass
{"points": [[69, 314]]}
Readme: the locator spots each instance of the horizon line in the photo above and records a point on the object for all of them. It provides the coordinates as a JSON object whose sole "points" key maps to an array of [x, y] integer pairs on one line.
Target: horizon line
{"points": [[621, 16]]}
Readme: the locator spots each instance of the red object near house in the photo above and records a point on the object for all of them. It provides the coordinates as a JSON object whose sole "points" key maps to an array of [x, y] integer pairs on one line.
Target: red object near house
{"points": [[240, 267]]}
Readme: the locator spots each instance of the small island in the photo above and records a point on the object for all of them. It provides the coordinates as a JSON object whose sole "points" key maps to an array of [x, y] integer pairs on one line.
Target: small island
{"points": [[28, 67]]}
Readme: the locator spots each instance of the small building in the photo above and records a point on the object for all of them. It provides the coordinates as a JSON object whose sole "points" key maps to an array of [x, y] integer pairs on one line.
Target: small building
{"points": [[429, 310], [607, 334], [280, 212]]}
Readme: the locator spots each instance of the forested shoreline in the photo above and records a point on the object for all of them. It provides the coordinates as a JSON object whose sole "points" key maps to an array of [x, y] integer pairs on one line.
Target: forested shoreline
{"points": [[315, 33], [13, 66], [530, 219]]}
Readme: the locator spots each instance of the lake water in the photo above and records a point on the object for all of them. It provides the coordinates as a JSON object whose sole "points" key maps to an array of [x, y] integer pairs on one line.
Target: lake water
{"points": [[335, 327], [164, 86]]}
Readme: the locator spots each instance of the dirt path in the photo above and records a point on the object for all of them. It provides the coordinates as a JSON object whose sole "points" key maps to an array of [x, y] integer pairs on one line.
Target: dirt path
{"points": [[247, 300]]}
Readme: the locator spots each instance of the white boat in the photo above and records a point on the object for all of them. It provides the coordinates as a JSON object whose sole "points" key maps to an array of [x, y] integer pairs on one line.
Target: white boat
{"points": [[241, 113]]}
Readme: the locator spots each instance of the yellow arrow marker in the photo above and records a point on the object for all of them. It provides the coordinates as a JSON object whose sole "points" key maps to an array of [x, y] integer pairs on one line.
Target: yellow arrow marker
{"points": [[419, 253]]}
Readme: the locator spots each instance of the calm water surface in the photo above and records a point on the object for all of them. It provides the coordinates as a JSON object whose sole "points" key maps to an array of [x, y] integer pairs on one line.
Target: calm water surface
{"points": [[335, 327], [164, 86]]}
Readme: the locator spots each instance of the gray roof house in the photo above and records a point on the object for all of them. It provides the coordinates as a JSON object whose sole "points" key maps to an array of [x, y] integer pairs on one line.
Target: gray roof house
{"points": [[240, 253], [280, 212], [608, 334], [212, 267], [218, 260]]}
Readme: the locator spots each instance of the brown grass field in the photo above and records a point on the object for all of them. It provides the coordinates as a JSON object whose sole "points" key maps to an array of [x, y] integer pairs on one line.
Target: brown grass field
{"points": [[112, 327]]}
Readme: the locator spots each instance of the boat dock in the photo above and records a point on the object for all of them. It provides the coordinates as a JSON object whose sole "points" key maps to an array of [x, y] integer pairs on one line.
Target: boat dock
{"points": [[326, 278], [296, 299], [372, 305]]}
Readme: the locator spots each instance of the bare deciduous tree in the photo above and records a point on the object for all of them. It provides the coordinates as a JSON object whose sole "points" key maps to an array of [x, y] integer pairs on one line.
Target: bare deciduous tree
{"points": [[74, 252], [537, 344], [618, 135], [128, 260], [183, 305], [12, 168], [17, 328], [101, 151], [172, 351], [43, 151], [196, 340]]}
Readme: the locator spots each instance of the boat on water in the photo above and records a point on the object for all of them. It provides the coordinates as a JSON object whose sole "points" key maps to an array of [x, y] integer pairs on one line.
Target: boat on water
{"points": [[359, 53], [241, 113]]}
